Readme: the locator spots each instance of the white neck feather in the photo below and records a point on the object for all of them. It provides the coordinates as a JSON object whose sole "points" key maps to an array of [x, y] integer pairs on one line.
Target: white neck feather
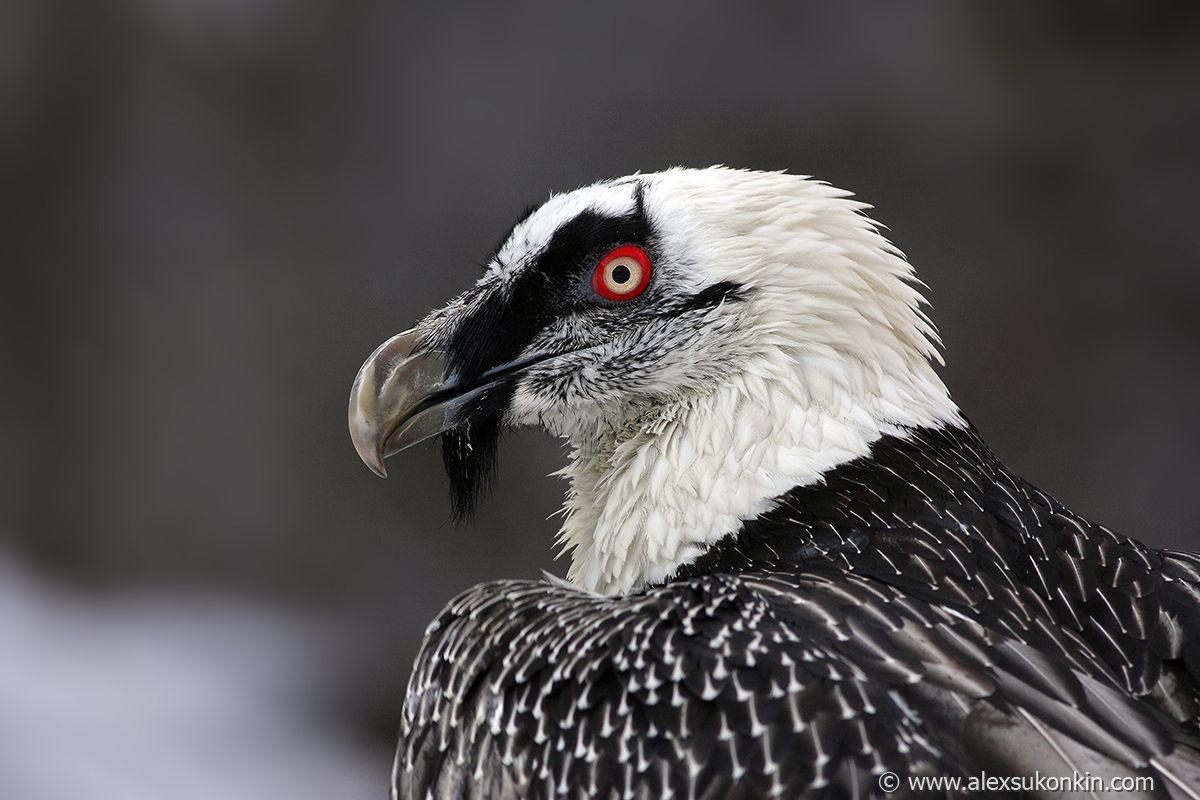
{"points": [[646, 502]]}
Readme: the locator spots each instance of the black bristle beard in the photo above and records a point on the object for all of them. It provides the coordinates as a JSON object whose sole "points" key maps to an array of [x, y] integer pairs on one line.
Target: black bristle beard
{"points": [[469, 454]]}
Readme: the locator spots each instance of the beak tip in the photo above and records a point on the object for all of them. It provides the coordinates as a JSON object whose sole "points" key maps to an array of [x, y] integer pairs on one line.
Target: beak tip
{"points": [[374, 462], [370, 455], [385, 399], [363, 436]]}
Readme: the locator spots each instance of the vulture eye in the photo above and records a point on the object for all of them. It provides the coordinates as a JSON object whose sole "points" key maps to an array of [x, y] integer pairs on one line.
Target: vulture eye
{"points": [[622, 274]]}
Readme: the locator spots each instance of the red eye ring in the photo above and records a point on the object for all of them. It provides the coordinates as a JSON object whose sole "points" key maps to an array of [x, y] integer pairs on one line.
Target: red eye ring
{"points": [[623, 274]]}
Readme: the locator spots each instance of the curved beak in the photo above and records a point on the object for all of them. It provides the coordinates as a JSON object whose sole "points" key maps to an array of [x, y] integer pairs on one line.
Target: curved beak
{"points": [[401, 397], [394, 403]]}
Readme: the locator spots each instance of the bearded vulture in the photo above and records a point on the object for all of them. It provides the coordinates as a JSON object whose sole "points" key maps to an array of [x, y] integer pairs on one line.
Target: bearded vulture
{"points": [[797, 570]]}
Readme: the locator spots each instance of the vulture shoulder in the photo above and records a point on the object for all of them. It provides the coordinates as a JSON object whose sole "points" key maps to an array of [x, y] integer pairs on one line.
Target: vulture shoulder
{"points": [[937, 516], [756, 685]]}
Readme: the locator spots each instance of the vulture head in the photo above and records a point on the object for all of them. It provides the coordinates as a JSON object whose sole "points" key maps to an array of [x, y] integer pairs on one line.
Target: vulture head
{"points": [[704, 340]]}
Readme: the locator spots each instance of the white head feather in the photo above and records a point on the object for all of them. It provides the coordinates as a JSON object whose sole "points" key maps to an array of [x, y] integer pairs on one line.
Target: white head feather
{"points": [[826, 351]]}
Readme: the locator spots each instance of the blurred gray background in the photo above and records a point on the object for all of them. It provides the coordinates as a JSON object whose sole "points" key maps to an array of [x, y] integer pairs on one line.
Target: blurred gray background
{"points": [[214, 210]]}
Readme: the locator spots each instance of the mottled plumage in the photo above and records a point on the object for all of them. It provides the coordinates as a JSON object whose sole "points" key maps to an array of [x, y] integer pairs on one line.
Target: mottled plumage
{"points": [[921, 611]]}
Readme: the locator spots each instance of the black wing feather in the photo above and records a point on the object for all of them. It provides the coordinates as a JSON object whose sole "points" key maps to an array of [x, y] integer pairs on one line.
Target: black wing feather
{"points": [[766, 685], [922, 610]]}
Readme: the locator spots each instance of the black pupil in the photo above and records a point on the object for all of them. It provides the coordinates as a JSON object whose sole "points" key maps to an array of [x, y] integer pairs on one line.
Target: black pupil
{"points": [[620, 273]]}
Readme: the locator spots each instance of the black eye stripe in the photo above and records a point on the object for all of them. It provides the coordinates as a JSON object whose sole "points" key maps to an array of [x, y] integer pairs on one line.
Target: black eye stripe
{"points": [[706, 298], [507, 320], [578, 244]]}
